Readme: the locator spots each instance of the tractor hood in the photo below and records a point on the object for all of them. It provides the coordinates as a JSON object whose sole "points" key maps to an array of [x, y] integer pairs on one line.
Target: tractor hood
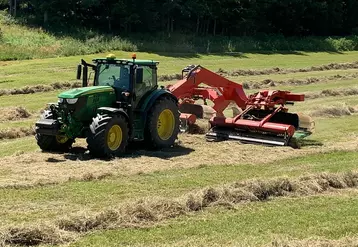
{"points": [[78, 92]]}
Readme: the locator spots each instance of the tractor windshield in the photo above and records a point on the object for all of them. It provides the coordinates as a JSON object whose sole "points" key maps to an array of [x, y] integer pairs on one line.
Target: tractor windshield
{"points": [[114, 75]]}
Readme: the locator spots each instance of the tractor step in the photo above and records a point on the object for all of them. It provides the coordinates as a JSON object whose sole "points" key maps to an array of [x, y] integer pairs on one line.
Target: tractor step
{"points": [[220, 134]]}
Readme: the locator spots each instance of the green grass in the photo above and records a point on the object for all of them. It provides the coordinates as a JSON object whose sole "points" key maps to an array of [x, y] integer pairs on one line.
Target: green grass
{"points": [[330, 217], [16, 74], [17, 146], [32, 102], [39, 203], [335, 129], [18, 123]]}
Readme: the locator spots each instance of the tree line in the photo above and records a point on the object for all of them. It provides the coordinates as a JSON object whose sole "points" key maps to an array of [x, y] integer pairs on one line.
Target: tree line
{"points": [[199, 17]]}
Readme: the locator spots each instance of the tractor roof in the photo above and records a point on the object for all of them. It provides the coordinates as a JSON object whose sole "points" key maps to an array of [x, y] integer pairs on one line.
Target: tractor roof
{"points": [[112, 59]]}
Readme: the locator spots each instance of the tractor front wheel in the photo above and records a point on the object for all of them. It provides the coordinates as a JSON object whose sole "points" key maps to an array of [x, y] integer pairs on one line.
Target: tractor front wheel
{"points": [[59, 143], [108, 136], [163, 123]]}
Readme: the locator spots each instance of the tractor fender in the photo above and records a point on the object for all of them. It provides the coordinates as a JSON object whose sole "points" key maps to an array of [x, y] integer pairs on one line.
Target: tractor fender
{"points": [[113, 111], [151, 99], [149, 102]]}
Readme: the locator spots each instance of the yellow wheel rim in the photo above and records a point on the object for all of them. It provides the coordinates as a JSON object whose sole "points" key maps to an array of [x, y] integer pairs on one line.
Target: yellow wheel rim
{"points": [[61, 139], [165, 124], [114, 137]]}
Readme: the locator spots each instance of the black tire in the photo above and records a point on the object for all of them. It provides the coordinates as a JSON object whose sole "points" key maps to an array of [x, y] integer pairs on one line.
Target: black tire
{"points": [[52, 143], [97, 140], [152, 137]]}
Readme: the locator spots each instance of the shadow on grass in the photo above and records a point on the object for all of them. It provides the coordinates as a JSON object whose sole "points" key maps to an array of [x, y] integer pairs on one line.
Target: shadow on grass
{"points": [[165, 153], [133, 151]]}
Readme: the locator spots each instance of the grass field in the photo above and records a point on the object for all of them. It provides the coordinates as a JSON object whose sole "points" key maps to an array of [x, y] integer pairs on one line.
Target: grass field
{"points": [[72, 199]]}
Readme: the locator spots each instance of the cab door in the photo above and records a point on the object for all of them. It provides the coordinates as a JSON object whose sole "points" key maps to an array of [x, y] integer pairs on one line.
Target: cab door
{"points": [[145, 81]]}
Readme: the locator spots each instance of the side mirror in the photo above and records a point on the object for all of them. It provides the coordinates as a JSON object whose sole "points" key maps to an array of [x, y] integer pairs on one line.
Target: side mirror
{"points": [[85, 76], [79, 71], [139, 75]]}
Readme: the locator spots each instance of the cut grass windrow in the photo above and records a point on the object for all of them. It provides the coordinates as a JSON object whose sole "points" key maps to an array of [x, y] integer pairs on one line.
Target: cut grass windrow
{"points": [[84, 178], [40, 88], [13, 113], [246, 84], [296, 82], [148, 212], [336, 110], [234, 73], [13, 133], [325, 67], [332, 93], [276, 70]]}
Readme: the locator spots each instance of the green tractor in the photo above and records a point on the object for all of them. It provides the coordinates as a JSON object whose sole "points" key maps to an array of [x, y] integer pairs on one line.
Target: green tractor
{"points": [[123, 105]]}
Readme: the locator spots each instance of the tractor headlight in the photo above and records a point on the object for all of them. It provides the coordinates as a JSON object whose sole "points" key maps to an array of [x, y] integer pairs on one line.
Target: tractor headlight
{"points": [[72, 101], [60, 100]]}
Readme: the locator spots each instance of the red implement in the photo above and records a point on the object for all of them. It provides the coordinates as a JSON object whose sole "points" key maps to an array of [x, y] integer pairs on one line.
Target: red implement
{"points": [[263, 119]]}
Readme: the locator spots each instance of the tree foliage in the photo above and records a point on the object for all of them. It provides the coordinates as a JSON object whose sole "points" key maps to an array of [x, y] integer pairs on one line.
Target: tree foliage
{"points": [[199, 17]]}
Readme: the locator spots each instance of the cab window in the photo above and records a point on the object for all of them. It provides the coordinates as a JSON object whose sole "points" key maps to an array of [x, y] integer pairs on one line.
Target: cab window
{"points": [[114, 75], [148, 81], [148, 76]]}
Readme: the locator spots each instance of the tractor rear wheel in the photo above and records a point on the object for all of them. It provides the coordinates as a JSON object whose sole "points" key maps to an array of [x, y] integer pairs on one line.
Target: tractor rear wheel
{"points": [[108, 136], [59, 143], [163, 123]]}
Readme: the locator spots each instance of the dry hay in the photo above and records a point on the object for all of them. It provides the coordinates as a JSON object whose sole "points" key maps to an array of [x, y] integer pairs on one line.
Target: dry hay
{"points": [[336, 110], [276, 70], [40, 88], [86, 177], [34, 235], [331, 66], [201, 126], [13, 133], [13, 113], [333, 93], [150, 211], [169, 77], [190, 151], [306, 81], [239, 72]]}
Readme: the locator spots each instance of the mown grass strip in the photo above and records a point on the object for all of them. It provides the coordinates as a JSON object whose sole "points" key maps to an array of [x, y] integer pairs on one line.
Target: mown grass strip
{"points": [[154, 210], [325, 220]]}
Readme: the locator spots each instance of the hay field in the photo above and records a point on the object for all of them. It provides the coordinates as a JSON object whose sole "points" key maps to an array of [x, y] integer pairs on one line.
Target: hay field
{"points": [[197, 193]]}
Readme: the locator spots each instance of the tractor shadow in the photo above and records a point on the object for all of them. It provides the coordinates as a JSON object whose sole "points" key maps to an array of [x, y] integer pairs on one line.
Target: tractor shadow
{"points": [[139, 150], [133, 151]]}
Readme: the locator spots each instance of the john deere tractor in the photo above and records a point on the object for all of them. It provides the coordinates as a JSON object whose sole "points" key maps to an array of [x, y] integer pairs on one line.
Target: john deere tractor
{"points": [[124, 104]]}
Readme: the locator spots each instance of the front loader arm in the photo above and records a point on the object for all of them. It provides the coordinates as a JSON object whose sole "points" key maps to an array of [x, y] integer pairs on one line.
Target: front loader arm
{"points": [[220, 90]]}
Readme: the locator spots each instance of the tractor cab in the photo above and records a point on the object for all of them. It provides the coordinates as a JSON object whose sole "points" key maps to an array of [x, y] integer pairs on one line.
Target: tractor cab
{"points": [[131, 79]]}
